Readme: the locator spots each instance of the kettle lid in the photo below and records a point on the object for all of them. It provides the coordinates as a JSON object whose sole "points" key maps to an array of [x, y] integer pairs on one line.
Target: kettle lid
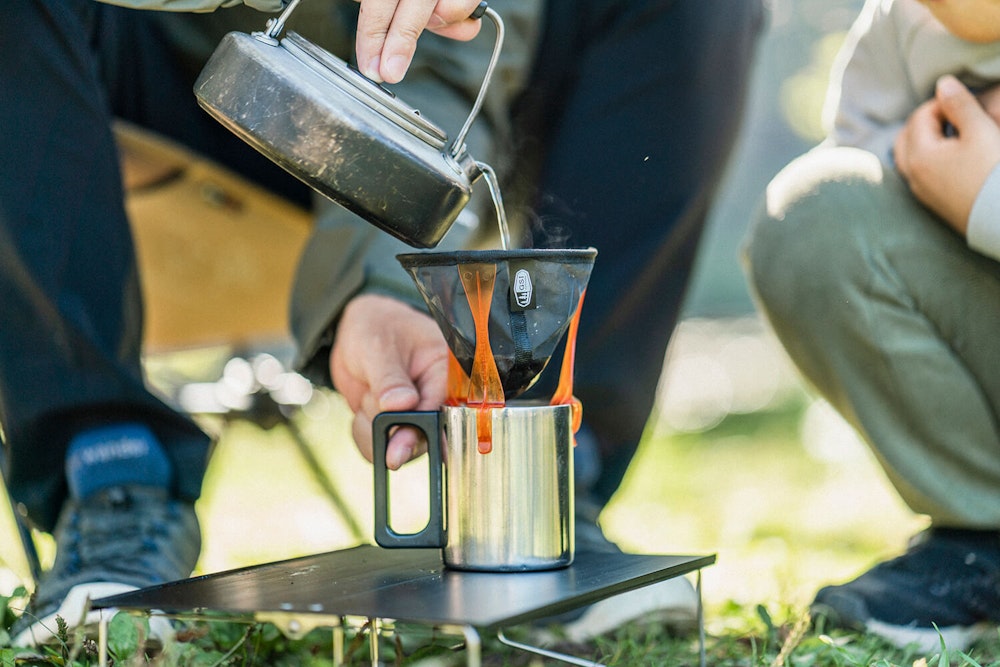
{"points": [[354, 84]]}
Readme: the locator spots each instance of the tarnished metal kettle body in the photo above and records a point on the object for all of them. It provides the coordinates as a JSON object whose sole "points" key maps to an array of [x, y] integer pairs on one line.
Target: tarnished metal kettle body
{"points": [[346, 136]]}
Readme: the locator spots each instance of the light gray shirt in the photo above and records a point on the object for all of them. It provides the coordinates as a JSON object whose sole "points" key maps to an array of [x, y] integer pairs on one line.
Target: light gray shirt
{"points": [[889, 65]]}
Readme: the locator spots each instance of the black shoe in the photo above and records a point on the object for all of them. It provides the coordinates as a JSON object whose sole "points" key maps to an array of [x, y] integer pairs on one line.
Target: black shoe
{"points": [[945, 587], [117, 540]]}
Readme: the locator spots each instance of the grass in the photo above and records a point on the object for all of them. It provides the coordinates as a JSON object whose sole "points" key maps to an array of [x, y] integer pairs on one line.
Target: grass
{"points": [[775, 486]]}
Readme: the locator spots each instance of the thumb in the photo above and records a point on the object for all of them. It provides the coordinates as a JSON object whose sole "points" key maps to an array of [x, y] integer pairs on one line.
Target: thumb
{"points": [[391, 385], [958, 105]]}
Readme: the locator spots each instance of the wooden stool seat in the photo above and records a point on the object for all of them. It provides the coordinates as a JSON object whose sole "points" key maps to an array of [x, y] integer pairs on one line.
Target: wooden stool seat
{"points": [[217, 254]]}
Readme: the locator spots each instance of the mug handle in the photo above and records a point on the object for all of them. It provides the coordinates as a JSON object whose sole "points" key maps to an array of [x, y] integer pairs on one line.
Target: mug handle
{"points": [[433, 534]]}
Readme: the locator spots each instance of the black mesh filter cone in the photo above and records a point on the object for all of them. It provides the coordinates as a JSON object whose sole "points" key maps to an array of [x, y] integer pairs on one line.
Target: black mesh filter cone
{"points": [[535, 294]]}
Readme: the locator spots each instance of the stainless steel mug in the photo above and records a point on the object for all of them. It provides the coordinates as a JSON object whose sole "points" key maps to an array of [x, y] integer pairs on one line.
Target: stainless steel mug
{"points": [[510, 510]]}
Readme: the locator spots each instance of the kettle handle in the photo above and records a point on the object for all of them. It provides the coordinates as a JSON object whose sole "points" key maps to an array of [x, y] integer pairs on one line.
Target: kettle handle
{"points": [[458, 145], [276, 25]]}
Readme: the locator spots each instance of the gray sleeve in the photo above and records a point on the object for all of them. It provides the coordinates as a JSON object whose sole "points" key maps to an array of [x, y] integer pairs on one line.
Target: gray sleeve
{"points": [[345, 257], [983, 233]]}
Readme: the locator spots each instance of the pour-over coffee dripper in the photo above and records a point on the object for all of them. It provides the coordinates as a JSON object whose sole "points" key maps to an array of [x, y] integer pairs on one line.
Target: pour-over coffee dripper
{"points": [[503, 313], [535, 294]]}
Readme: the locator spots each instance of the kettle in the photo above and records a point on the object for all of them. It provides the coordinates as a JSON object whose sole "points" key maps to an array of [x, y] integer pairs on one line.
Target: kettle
{"points": [[348, 137]]}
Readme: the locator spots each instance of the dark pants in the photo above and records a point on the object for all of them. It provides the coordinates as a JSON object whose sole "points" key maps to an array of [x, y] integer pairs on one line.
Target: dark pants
{"points": [[70, 302], [634, 108]]}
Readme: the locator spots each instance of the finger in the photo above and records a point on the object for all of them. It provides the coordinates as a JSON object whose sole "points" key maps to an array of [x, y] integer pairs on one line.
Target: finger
{"points": [[369, 406], [449, 18], [462, 31], [433, 386], [990, 100], [344, 376], [361, 431], [405, 445], [353, 390], [400, 44], [926, 119], [391, 385], [456, 11], [900, 151], [377, 19], [457, 19], [959, 106], [377, 374], [923, 128], [374, 19], [899, 160]]}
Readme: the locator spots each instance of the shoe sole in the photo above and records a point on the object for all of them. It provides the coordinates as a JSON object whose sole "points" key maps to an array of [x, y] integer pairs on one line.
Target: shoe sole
{"points": [[851, 613], [930, 640], [672, 603], [75, 611]]}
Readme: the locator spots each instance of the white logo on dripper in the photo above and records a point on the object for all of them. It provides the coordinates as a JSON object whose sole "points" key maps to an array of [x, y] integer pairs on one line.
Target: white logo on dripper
{"points": [[522, 288]]}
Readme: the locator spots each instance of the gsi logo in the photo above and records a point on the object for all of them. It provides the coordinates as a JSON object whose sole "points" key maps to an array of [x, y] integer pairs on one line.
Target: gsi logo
{"points": [[522, 288]]}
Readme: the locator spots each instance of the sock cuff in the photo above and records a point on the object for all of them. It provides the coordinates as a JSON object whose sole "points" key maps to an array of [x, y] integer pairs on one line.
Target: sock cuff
{"points": [[115, 455]]}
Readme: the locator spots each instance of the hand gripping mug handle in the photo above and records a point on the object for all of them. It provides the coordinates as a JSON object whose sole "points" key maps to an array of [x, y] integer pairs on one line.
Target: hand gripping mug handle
{"points": [[433, 534]]}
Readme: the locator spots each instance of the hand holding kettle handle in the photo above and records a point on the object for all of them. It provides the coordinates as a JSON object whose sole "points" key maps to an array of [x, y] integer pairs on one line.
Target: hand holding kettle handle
{"points": [[275, 26]]}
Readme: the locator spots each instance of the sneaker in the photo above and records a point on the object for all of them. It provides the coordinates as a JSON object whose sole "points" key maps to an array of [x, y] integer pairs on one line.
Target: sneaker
{"points": [[116, 540], [672, 603], [946, 587]]}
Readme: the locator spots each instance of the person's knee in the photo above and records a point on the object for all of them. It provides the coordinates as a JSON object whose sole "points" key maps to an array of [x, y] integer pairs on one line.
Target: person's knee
{"points": [[808, 236]]}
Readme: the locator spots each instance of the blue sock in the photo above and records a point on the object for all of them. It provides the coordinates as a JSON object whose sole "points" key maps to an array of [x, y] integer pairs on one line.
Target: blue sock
{"points": [[115, 455]]}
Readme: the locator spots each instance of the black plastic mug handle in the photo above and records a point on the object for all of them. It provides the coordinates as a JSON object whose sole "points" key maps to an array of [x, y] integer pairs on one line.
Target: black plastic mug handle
{"points": [[433, 534]]}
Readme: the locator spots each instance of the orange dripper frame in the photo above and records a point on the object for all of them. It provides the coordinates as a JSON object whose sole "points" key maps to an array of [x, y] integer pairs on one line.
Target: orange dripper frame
{"points": [[484, 389], [564, 390], [503, 314]]}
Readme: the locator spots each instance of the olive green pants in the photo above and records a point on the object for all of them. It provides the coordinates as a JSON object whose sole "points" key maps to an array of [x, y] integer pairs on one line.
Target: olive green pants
{"points": [[894, 320]]}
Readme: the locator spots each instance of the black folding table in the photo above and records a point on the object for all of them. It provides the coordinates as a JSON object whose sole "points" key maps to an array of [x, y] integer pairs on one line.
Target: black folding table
{"points": [[405, 585]]}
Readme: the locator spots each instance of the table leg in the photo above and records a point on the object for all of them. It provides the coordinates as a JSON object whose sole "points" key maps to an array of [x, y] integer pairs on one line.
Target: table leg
{"points": [[338, 643], [701, 622], [702, 657], [562, 657], [373, 638], [473, 643], [102, 641]]}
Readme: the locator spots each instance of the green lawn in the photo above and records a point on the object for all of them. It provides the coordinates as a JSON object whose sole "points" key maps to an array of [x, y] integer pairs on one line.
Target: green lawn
{"points": [[768, 479]]}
